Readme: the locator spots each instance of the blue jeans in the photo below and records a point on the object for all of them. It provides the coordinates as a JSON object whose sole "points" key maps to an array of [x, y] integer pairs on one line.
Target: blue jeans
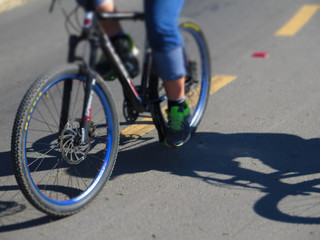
{"points": [[162, 18]]}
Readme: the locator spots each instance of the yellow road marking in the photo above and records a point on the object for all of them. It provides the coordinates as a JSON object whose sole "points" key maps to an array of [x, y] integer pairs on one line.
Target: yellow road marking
{"points": [[298, 20], [6, 5], [146, 124], [138, 130], [220, 81]]}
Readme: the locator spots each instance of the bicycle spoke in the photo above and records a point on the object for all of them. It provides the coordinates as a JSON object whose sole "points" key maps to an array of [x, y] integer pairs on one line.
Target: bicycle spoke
{"points": [[49, 109], [43, 156], [45, 121], [40, 121]]}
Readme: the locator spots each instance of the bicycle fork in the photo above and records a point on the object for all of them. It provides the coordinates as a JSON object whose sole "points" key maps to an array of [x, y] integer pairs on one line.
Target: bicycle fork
{"points": [[89, 88], [87, 107]]}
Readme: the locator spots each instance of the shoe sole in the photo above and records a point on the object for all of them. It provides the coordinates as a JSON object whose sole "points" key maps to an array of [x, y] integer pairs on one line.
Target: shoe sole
{"points": [[178, 145]]}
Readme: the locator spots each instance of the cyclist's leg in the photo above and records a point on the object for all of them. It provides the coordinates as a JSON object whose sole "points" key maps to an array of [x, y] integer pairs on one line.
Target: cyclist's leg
{"points": [[111, 27], [162, 17], [121, 41]]}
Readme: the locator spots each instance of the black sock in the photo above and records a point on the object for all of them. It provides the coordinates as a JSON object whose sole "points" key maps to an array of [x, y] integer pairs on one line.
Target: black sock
{"points": [[179, 102]]}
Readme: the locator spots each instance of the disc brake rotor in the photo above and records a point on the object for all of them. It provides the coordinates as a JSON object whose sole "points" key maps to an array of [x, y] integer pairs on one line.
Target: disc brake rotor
{"points": [[73, 151]]}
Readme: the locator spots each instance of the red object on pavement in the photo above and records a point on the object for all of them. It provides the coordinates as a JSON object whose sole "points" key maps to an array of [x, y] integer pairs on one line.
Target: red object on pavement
{"points": [[260, 54]]}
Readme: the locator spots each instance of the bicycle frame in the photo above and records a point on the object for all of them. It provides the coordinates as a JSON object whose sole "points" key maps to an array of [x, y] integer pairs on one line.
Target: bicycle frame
{"points": [[93, 32]]}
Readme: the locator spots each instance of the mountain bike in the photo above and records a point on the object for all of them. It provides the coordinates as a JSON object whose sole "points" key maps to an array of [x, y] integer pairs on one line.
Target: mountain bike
{"points": [[66, 132]]}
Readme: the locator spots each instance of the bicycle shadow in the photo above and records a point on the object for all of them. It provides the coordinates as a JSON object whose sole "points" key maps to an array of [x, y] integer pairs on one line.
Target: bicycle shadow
{"points": [[12, 210], [255, 161], [6, 166], [280, 165]]}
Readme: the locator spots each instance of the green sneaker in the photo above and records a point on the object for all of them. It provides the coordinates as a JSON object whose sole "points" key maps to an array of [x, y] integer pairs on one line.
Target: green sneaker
{"points": [[178, 131]]}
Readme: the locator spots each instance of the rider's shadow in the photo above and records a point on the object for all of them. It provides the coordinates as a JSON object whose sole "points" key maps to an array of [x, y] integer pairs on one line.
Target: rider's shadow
{"points": [[279, 165]]}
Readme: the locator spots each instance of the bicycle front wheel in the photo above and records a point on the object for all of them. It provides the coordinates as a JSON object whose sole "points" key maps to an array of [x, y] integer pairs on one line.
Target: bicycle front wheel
{"points": [[56, 172]]}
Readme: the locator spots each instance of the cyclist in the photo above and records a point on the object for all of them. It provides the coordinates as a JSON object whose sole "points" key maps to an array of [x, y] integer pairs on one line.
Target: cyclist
{"points": [[166, 42]]}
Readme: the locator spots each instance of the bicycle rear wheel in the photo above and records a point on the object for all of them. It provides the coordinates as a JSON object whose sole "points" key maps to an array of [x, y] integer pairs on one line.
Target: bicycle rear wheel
{"points": [[56, 172], [198, 79]]}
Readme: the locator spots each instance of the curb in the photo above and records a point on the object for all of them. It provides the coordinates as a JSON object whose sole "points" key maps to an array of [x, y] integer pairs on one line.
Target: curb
{"points": [[6, 5]]}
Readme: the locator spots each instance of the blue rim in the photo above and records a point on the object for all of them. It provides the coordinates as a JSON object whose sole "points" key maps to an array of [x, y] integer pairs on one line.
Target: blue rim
{"points": [[107, 111]]}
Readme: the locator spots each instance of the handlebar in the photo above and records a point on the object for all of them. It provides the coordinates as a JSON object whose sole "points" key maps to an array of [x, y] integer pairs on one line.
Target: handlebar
{"points": [[104, 15], [121, 15]]}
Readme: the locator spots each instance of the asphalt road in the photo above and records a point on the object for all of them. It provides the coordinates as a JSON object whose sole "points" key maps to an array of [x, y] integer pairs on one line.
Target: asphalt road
{"points": [[250, 172]]}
